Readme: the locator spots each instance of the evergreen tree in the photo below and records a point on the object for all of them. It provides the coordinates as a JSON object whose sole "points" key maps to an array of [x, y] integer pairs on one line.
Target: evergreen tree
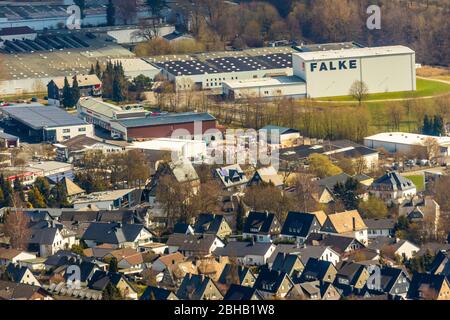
{"points": [[427, 125], [7, 192], [92, 71], [111, 292], [67, 95], [36, 199], [110, 14], [348, 193], [18, 188], [98, 70], [107, 81], [75, 91], [43, 187], [59, 196], [120, 84], [438, 126], [113, 268]]}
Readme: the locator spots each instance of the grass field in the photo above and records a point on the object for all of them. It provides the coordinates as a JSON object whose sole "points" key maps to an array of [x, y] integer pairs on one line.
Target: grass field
{"points": [[418, 180], [425, 88]]}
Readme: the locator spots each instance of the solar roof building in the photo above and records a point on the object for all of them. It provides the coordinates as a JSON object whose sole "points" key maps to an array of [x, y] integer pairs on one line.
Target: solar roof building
{"points": [[210, 73], [44, 123]]}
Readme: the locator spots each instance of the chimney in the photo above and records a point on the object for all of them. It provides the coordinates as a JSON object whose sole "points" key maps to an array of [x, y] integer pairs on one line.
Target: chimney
{"points": [[354, 223]]}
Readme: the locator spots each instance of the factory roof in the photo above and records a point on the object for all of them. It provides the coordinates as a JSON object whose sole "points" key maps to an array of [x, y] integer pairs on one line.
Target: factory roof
{"points": [[134, 64], [97, 106], [84, 80], [406, 138], [49, 165], [103, 196], [187, 67], [16, 31], [353, 53], [327, 46], [38, 116], [268, 81], [166, 119]]}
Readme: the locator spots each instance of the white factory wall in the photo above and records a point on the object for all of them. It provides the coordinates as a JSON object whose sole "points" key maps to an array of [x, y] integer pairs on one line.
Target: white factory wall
{"points": [[268, 91], [21, 86], [387, 73], [214, 80], [52, 23]]}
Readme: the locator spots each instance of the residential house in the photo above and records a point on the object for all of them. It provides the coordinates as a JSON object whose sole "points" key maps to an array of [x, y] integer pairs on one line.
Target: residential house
{"points": [[71, 189], [326, 185], [314, 290], [20, 291], [156, 293], [235, 274], [261, 226], [232, 177], [299, 225], [119, 235], [101, 279], [194, 245], [183, 228], [108, 200], [380, 227], [272, 284], [393, 281], [280, 137], [174, 274], [441, 263], [243, 293], [20, 274], [198, 287], [163, 262], [347, 223], [288, 263], [210, 223], [73, 150], [315, 269], [47, 238], [423, 210], [425, 286], [341, 244], [247, 253], [320, 215], [14, 256], [351, 277], [393, 188], [267, 175], [393, 247], [129, 261], [86, 269], [319, 252]]}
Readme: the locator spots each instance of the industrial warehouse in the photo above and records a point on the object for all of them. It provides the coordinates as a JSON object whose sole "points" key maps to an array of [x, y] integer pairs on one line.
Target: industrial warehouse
{"points": [[135, 123], [39, 123]]}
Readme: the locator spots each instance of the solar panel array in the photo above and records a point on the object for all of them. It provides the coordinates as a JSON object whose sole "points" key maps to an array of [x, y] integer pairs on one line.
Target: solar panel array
{"points": [[38, 117], [186, 67], [230, 64], [45, 43], [277, 60]]}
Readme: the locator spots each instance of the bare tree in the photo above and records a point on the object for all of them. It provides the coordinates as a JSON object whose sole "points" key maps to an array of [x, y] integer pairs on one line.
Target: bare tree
{"points": [[359, 91], [17, 225]]}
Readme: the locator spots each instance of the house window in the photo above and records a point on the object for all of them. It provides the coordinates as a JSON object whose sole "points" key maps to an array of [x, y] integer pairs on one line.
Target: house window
{"points": [[66, 130], [81, 129]]}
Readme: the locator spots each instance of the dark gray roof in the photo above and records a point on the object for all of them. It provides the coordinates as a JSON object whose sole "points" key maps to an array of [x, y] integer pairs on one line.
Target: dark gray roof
{"points": [[349, 270], [311, 252], [19, 291], [112, 233], [441, 263], [270, 280], [243, 248], [379, 223], [100, 279], [158, 293], [240, 272], [394, 181], [190, 242], [336, 242], [315, 269], [285, 262], [238, 292], [299, 224], [16, 272], [258, 222], [37, 116], [166, 119], [192, 287], [6, 136], [425, 283], [208, 223], [181, 228], [44, 236]]}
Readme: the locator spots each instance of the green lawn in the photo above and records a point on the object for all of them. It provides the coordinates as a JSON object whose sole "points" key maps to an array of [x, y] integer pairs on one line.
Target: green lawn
{"points": [[425, 88], [418, 180]]}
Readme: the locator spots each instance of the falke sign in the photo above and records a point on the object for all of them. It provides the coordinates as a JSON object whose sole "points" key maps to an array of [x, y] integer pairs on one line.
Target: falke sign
{"points": [[333, 65]]}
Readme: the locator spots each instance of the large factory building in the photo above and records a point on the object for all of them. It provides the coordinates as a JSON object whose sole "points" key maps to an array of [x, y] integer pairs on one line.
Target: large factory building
{"points": [[332, 73]]}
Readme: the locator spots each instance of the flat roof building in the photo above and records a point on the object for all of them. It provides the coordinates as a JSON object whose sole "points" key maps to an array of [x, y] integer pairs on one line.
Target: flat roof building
{"points": [[134, 67], [45, 123], [332, 72]]}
